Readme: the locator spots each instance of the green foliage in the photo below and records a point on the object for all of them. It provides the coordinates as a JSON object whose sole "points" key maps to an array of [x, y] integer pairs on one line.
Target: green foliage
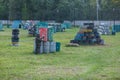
{"points": [[15, 9], [58, 10]]}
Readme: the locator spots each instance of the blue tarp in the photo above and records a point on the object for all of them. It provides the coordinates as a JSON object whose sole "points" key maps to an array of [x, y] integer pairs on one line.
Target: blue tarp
{"points": [[68, 25], [42, 24], [78, 36], [15, 24], [116, 28], [63, 26]]}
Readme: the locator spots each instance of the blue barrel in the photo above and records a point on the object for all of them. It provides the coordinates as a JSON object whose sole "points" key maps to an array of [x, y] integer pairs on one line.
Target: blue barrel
{"points": [[116, 28], [52, 47], [46, 47], [54, 29], [113, 32], [50, 34], [119, 28], [41, 47], [58, 45]]}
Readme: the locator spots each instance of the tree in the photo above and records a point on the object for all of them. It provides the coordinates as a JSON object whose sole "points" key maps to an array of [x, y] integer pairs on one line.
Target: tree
{"points": [[58, 10], [15, 9]]}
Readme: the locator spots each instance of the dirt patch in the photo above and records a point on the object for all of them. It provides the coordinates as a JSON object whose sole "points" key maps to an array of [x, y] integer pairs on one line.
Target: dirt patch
{"points": [[61, 71]]}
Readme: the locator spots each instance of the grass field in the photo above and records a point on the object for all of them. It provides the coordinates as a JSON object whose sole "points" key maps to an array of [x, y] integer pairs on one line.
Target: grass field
{"points": [[71, 63]]}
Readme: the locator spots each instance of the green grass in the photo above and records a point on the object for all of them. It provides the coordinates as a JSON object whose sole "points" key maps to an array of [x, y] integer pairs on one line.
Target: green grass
{"points": [[71, 63]]}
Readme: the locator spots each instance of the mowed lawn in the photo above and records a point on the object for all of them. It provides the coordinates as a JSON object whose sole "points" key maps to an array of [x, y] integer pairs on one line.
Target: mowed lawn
{"points": [[71, 63]]}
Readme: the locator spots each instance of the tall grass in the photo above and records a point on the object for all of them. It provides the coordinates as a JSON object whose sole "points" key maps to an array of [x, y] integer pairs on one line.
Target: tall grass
{"points": [[71, 63]]}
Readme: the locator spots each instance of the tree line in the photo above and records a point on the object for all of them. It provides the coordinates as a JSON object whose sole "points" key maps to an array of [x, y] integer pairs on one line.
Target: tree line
{"points": [[59, 10]]}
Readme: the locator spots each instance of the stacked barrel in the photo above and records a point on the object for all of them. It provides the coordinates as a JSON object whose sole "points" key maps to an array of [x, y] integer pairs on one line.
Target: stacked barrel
{"points": [[15, 37], [32, 31], [104, 30], [44, 41], [15, 32], [31, 27], [88, 35]]}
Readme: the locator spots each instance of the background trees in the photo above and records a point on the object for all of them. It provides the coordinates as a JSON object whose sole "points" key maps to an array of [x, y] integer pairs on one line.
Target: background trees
{"points": [[59, 10]]}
